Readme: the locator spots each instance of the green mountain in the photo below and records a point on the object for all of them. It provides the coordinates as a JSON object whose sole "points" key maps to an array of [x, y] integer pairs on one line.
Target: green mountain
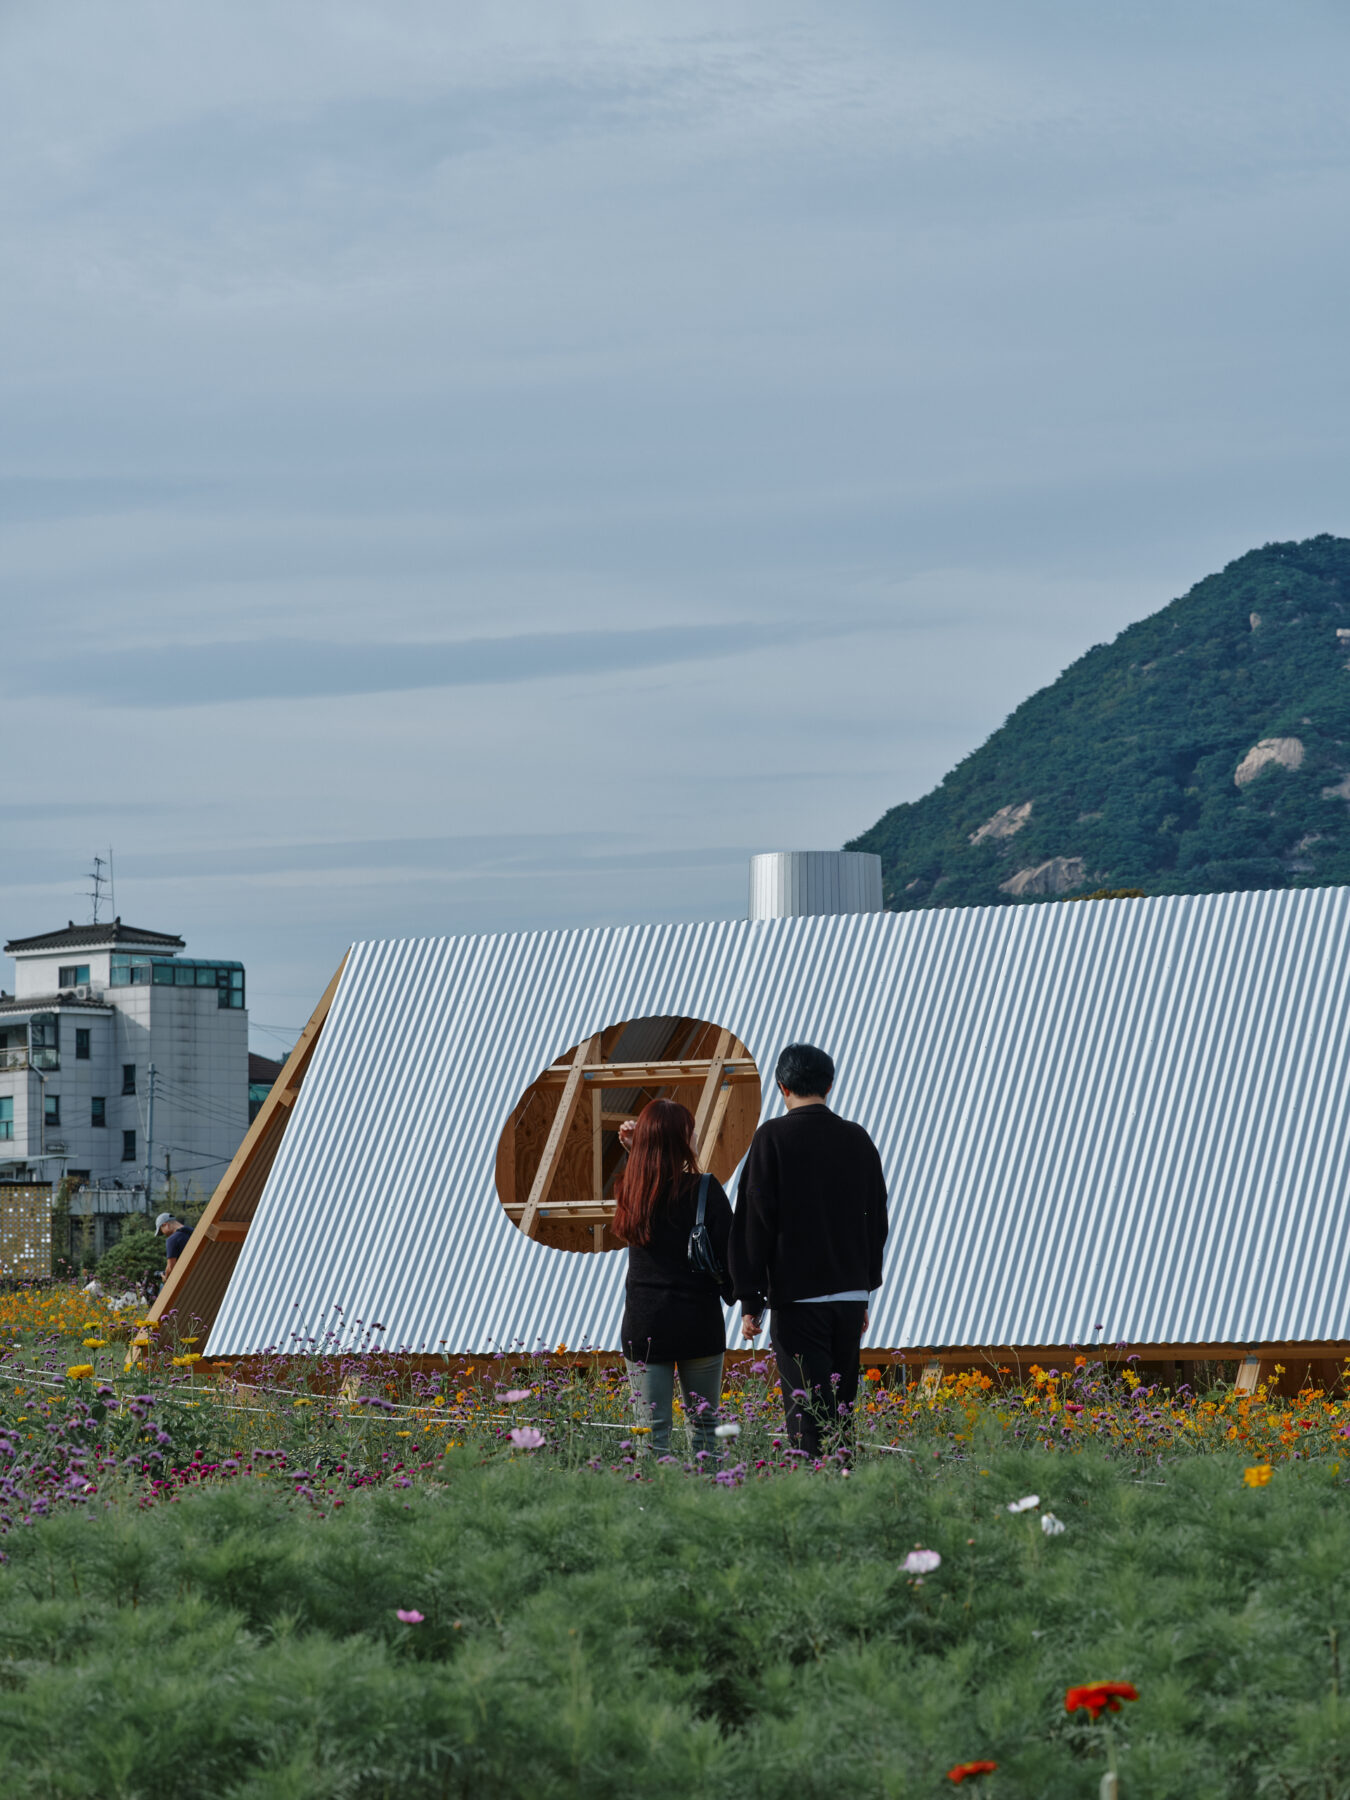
{"points": [[1207, 748]]}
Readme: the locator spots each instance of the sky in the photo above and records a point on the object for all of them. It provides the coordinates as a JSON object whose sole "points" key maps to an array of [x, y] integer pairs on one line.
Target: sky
{"points": [[482, 468]]}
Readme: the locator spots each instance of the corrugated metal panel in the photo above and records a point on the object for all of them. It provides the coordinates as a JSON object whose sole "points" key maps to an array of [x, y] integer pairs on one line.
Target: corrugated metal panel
{"points": [[1132, 1115], [796, 884]]}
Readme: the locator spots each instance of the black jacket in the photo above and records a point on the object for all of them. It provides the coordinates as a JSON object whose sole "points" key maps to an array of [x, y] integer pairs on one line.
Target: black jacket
{"points": [[810, 1211], [669, 1310]]}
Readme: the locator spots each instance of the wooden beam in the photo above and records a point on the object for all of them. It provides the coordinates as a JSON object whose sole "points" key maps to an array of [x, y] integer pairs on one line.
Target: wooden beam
{"points": [[260, 1141], [597, 1142], [708, 1144], [587, 1050], [598, 1208], [650, 1074], [712, 1084], [612, 1121], [228, 1231]]}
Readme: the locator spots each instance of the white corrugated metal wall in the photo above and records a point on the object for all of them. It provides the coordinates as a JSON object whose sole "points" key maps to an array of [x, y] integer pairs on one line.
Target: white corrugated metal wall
{"points": [[1126, 1115]]}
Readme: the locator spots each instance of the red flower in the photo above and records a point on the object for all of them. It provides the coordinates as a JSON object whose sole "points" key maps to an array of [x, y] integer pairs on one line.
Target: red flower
{"points": [[959, 1773], [1097, 1697]]}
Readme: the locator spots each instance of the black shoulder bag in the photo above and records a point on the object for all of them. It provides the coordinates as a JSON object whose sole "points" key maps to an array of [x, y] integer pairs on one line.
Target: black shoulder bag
{"points": [[702, 1256]]}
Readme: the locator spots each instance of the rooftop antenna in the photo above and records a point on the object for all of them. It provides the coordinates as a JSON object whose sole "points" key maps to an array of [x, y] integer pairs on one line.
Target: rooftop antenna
{"points": [[100, 881]]}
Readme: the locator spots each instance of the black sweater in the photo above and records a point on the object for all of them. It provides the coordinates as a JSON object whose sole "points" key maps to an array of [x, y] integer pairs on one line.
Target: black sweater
{"points": [[669, 1310], [810, 1211]]}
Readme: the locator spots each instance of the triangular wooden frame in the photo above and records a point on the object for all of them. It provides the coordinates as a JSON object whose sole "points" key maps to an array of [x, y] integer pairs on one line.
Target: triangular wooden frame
{"points": [[197, 1284]]}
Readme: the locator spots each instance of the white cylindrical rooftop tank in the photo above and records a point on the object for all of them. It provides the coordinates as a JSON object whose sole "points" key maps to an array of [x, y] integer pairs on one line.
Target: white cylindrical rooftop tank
{"points": [[796, 884]]}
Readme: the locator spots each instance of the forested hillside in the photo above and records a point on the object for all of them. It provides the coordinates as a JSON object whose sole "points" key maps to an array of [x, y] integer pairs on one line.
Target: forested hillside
{"points": [[1207, 748]]}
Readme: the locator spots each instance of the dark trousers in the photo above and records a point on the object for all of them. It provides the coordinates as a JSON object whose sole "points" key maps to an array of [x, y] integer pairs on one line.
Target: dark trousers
{"points": [[817, 1350]]}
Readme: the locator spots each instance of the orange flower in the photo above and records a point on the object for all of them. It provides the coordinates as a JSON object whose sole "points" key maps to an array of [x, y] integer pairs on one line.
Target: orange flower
{"points": [[874, 1374], [1097, 1697], [960, 1772]]}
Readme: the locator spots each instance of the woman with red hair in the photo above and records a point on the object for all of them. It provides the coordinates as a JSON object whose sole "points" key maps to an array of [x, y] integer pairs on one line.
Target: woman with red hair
{"points": [[672, 1321]]}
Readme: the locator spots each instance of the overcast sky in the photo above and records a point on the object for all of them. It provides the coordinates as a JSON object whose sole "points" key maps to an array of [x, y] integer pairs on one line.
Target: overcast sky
{"points": [[469, 467]]}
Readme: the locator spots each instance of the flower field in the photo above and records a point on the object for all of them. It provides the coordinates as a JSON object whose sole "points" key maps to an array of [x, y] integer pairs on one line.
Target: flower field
{"points": [[78, 1421], [339, 1576]]}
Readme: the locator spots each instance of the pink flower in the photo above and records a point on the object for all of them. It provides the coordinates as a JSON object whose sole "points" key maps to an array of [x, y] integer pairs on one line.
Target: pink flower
{"points": [[525, 1437], [514, 1394], [922, 1562], [408, 1618]]}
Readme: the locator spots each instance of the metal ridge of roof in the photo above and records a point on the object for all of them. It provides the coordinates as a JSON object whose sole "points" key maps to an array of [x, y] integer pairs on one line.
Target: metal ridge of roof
{"points": [[1125, 1121]]}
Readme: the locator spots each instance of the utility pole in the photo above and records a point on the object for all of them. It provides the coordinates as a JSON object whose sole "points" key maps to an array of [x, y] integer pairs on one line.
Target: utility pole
{"points": [[150, 1138]]}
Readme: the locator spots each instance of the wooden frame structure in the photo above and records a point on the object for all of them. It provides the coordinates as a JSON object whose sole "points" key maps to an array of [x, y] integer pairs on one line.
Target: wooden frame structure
{"points": [[196, 1286], [559, 1151]]}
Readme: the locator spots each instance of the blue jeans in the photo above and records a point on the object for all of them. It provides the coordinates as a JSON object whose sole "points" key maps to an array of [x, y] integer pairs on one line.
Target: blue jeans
{"points": [[653, 1386]]}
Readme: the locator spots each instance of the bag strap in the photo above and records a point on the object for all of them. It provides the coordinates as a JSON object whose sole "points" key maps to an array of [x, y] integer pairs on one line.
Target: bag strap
{"points": [[702, 1201]]}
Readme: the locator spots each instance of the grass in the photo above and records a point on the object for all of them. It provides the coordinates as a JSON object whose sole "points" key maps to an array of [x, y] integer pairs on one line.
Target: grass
{"points": [[200, 1583], [587, 1636]]}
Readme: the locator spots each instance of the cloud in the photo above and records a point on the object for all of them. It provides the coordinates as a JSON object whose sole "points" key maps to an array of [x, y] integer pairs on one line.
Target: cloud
{"points": [[300, 668]]}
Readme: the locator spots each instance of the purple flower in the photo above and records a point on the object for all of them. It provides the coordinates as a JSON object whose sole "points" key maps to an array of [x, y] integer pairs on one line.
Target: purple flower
{"points": [[411, 1617], [525, 1437]]}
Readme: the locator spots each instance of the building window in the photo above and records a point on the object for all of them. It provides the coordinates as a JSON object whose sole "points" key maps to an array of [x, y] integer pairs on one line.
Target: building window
{"points": [[128, 1078], [128, 1146], [73, 975], [82, 1043], [98, 1110], [51, 1109], [6, 1117], [44, 1041], [128, 971]]}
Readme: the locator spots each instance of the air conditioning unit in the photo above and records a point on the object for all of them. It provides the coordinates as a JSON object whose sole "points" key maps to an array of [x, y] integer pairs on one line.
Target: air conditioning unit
{"points": [[84, 991]]}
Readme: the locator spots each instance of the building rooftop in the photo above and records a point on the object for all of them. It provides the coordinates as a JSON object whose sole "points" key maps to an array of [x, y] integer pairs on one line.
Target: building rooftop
{"points": [[95, 937], [66, 1002]]}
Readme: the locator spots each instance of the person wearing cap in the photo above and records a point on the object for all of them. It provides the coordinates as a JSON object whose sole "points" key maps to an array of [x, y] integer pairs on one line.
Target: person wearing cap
{"points": [[178, 1234]]}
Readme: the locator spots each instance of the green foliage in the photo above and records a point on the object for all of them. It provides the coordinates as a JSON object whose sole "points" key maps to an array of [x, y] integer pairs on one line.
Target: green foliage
{"points": [[134, 1255], [1128, 759], [586, 1635]]}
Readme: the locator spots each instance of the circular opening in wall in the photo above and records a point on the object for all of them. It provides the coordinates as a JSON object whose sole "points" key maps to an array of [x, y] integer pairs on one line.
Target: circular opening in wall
{"points": [[559, 1152]]}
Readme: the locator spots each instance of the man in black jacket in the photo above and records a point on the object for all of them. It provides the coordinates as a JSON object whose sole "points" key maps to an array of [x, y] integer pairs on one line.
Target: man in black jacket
{"points": [[807, 1241]]}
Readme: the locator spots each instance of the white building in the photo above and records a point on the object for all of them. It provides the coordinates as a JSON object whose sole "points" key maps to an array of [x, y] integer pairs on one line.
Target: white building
{"points": [[94, 1007]]}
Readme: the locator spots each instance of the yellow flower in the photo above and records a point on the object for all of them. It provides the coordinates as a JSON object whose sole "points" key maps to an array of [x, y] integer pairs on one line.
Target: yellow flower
{"points": [[301, 1402], [188, 1340], [186, 1362], [94, 1343], [80, 1371], [1258, 1476], [403, 1434], [439, 1400]]}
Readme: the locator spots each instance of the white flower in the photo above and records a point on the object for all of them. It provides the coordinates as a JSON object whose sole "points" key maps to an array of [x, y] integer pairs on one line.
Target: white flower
{"points": [[922, 1562], [1052, 1526], [726, 1431], [1024, 1505]]}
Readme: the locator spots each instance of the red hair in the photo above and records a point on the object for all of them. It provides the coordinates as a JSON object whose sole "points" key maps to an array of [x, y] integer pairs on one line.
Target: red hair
{"points": [[662, 1150]]}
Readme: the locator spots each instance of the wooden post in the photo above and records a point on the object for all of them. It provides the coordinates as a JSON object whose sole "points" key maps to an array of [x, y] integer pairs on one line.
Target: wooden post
{"points": [[587, 1051], [932, 1376], [1249, 1373], [707, 1099], [598, 1143]]}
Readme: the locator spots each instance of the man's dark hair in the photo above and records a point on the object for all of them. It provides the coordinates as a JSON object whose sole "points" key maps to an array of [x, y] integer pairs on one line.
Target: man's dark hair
{"points": [[805, 1071]]}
